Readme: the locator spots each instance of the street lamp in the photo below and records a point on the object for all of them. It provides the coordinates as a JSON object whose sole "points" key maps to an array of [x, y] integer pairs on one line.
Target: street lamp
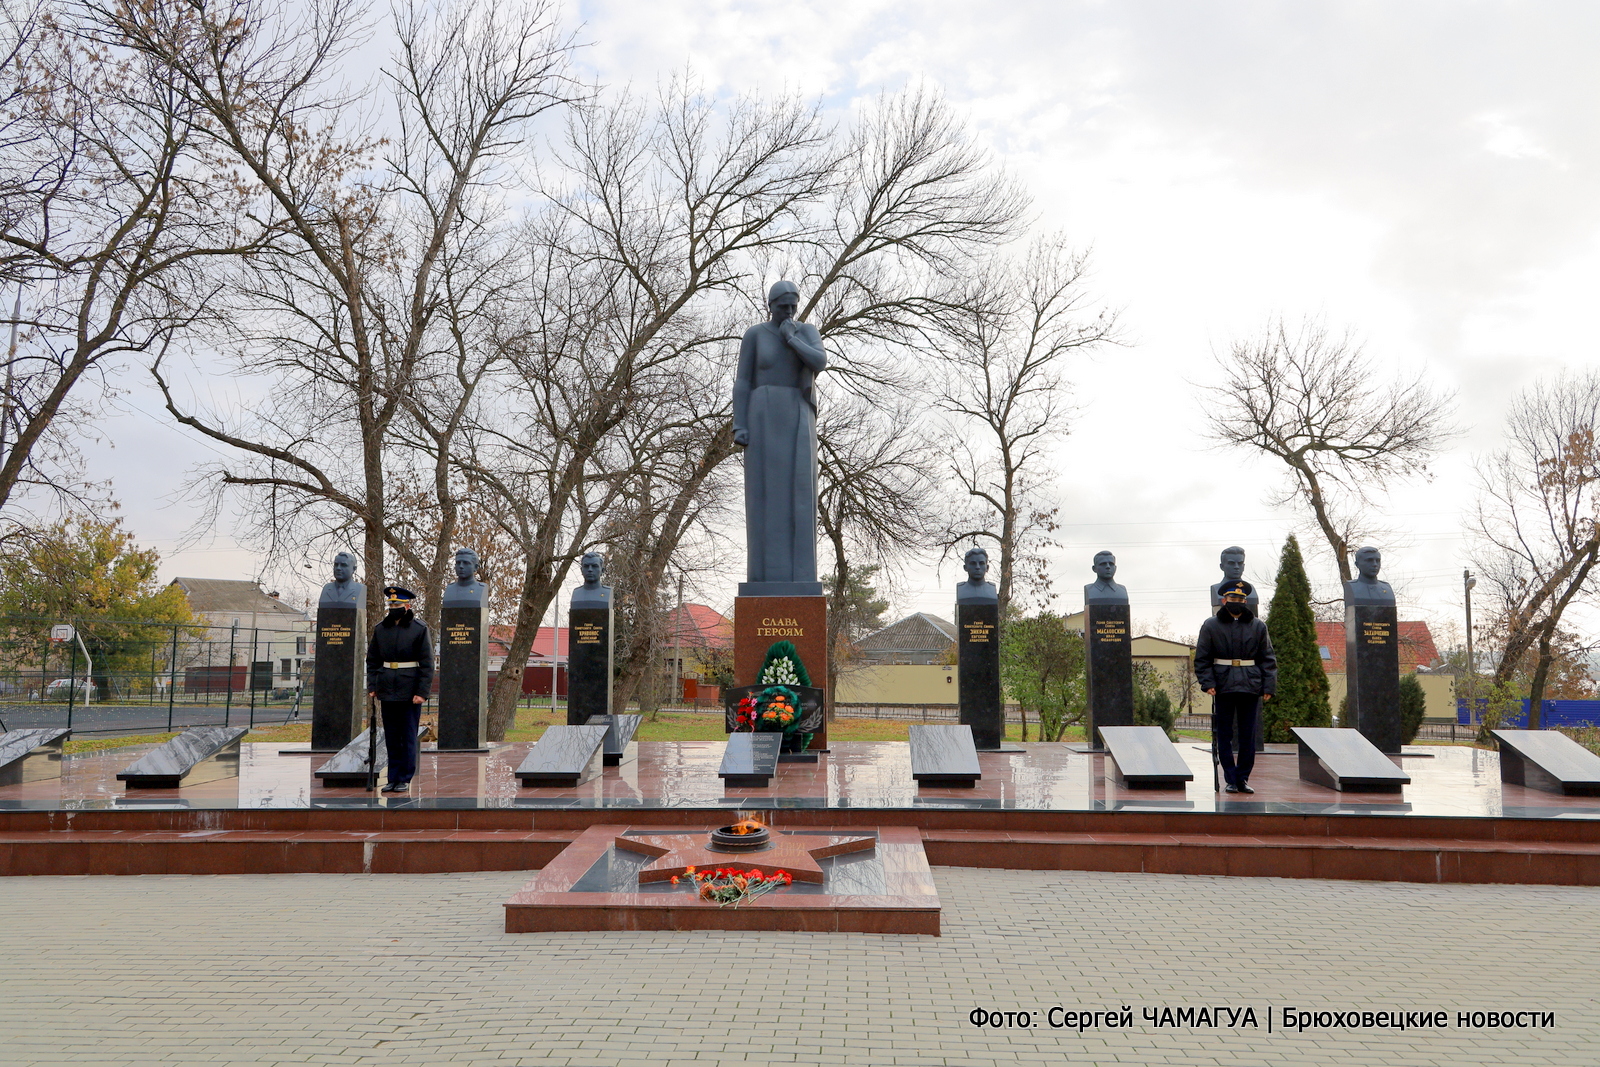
{"points": [[1468, 582]]}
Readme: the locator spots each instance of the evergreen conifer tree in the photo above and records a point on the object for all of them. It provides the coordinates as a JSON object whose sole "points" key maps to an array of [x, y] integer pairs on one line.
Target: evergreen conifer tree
{"points": [[1302, 696]]}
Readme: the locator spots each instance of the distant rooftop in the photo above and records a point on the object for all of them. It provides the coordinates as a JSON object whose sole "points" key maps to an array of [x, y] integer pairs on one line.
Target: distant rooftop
{"points": [[208, 595], [1415, 639], [914, 633]]}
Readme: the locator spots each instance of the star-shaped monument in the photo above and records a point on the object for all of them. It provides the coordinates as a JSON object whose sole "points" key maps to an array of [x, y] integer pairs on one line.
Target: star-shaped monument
{"points": [[795, 853]]}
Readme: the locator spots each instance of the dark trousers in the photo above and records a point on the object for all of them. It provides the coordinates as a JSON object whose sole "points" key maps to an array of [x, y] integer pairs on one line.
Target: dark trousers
{"points": [[1228, 710], [400, 719]]}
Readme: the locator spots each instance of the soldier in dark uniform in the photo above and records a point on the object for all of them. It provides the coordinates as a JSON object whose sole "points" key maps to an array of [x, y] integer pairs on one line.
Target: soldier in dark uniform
{"points": [[1234, 663], [400, 675]]}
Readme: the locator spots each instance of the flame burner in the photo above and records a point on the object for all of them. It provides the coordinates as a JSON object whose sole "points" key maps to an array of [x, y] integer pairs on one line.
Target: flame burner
{"points": [[746, 836]]}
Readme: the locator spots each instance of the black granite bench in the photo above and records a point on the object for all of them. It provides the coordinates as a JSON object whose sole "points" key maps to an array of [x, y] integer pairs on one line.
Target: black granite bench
{"points": [[1143, 757], [199, 754], [565, 756], [1549, 761], [1345, 760], [348, 766], [750, 760], [944, 756], [31, 755], [620, 747]]}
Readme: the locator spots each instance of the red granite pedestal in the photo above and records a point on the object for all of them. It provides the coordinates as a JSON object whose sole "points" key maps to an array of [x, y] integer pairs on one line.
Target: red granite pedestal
{"points": [[759, 621]]}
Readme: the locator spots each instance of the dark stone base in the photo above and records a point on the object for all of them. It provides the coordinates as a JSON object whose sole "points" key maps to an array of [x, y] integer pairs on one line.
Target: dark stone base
{"points": [[978, 670]]}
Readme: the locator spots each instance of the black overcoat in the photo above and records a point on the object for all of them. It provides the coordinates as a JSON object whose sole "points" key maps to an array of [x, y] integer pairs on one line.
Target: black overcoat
{"points": [[406, 642], [1224, 637]]}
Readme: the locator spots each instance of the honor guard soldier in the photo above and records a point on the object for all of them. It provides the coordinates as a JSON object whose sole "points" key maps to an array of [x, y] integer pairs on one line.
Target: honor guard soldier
{"points": [[1234, 663], [400, 676]]}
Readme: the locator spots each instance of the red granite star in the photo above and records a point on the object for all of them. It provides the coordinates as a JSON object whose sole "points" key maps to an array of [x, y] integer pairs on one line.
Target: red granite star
{"points": [[794, 853]]}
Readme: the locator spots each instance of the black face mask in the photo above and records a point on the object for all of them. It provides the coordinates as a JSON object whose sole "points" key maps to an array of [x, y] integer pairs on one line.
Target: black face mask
{"points": [[1234, 609]]}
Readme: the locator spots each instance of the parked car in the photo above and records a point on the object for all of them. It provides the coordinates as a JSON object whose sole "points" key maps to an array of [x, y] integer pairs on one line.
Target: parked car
{"points": [[63, 689]]}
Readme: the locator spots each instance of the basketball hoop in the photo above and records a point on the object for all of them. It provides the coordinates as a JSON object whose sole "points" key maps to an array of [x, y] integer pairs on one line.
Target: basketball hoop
{"points": [[61, 632]]}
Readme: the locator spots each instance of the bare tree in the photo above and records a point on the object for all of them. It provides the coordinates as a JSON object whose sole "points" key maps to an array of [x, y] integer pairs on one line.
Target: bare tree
{"points": [[1538, 523], [1317, 403], [1004, 383], [344, 317], [112, 213]]}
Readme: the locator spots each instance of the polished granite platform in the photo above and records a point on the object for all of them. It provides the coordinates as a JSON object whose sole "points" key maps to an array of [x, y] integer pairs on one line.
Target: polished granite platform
{"points": [[1448, 782]]}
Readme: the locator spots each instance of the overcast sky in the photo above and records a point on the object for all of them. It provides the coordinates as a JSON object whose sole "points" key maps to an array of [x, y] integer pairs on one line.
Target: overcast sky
{"points": [[1424, 173]]}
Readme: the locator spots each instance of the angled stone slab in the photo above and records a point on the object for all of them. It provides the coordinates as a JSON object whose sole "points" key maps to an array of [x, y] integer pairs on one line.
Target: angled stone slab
{"points": [[750, 760], [200, 754], [944, 756], [620, 747], [1143, 757], [348, 767], [1345, 760], [1549, 761], [31, 755], [565, 756]]}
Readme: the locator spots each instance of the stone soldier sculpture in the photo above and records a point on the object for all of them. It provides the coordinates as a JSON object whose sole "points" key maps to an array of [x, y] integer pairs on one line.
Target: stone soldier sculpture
{"points": [[1231, 563], [400, 677], [775, 420], [978, 653], [336, 695], [1372, 654], [464, 659], [590, 664], [1108, 647]]}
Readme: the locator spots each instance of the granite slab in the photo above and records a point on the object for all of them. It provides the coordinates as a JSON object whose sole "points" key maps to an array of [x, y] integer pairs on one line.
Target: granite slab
{"points": [[1143, 757], [620, 746], [348, 767], [750, 760], [944, 756], [1347, 761], [564, 756], [1549, 761], [31, 755], [198, 755]]}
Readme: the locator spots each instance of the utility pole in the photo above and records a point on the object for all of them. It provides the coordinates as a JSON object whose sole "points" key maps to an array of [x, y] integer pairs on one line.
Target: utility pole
{"points": [[1467, 582], [677, 647]]}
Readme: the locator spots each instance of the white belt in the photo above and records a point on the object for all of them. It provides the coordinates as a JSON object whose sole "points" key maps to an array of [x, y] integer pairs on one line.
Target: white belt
{"points": [[1234, 663], [408, 663]]}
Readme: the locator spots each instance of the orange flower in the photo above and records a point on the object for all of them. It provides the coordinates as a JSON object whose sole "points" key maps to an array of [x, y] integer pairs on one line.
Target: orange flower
{"points": [[674, 879], [689, 869]]}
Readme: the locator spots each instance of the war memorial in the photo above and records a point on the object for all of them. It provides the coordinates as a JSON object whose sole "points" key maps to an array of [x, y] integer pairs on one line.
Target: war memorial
{"points": [[820, 836]]}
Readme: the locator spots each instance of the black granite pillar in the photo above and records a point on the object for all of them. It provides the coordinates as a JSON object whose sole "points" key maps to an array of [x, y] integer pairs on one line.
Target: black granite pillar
{"points": [[463, 677], [978, 664], [1108, 648], [338, 699], [1372, 672], [589, 666]]}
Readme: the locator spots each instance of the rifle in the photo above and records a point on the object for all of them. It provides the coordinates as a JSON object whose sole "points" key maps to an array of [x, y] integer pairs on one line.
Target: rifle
{"points": [[1216, 786], [372, 743]]}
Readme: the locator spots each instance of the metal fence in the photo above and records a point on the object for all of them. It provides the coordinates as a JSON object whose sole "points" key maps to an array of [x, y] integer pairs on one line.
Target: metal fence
{"points": [[117, 675]]}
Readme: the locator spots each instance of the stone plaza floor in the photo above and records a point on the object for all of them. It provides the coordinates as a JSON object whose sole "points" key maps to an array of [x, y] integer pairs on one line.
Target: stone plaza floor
{"points": [[415, 969]]}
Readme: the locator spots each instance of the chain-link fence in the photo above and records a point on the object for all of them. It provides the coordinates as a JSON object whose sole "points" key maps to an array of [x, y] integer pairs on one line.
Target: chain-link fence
{"points": [[126, 675]]}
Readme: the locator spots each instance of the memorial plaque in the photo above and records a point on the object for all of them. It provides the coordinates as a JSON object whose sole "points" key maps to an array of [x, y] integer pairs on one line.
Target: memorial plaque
{"points": [[944, 756], [620, 746], [1372, 672], [1548, 761], [1144, 757], [589, 663], [31, 755], [564, 756], [750, 760], [1108, 648], [338, 696], [978, 668], [200, 754], [463, 678], [1345, 760]]}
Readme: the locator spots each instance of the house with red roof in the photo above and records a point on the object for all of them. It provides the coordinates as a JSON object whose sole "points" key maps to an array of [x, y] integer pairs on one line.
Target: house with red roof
{"points": [[1418, 654]]}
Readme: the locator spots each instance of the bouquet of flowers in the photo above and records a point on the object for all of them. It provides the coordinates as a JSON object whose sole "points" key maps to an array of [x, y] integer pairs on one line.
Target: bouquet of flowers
{"points": [[729, 886]]}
